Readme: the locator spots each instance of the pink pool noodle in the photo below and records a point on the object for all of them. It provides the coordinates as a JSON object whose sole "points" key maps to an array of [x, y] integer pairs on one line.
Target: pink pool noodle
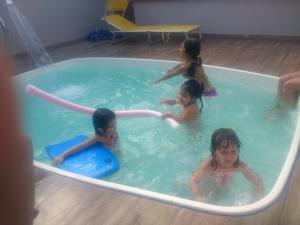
{"points": [[76, 107]]}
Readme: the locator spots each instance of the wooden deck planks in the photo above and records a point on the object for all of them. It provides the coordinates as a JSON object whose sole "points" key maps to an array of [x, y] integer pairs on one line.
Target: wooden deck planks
{"points": [[290, 212], [264, 56]]}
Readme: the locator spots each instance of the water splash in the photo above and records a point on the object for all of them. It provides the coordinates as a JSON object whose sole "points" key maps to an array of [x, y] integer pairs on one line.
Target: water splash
{"points": [[28, 36]]}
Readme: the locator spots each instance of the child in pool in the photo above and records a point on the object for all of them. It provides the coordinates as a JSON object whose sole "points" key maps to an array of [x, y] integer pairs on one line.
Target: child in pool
{"points": [[104, 121], [191, 67], [190, 91], [223, 164], [289, 88]]}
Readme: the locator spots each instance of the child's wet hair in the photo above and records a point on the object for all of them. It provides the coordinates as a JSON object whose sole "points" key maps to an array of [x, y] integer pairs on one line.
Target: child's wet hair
{"points": [[195, 89], [192, 47], [102, 117], [223, 137]]}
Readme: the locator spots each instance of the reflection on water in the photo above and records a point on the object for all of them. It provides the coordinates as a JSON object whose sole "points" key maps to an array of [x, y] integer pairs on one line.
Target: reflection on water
{"points": [[236, 191]]}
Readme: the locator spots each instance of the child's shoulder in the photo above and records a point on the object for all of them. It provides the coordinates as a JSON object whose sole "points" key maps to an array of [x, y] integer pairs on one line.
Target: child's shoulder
{"points": [[189, 113], [203, 167], [242, 165], [207, 164], [184, 65], [97, 138], [200, 69], [193, 110]]}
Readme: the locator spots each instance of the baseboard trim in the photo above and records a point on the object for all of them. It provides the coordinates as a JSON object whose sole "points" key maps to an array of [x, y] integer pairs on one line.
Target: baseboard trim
{"points": [[252, 36], [50, 47]]}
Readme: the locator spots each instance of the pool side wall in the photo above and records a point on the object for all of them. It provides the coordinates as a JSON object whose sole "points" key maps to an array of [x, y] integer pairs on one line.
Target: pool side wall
{"points": [[259, 80]]}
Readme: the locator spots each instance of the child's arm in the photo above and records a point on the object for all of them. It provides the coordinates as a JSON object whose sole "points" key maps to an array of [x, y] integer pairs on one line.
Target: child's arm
{"points": [[189, 113], [174, 69], [195, 180], [170, 73], [74, 149], [171, 115], [253, 178], [169, 102], [186, 115]]}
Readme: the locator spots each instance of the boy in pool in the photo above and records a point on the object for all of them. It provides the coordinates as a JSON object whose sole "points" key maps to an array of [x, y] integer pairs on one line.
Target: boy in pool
{"points": [[191, 67], [223, 163], [190, 91], [104, 121]]}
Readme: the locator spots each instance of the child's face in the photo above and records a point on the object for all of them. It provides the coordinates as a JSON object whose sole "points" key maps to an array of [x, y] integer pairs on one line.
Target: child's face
{"points": [[226, 155], [184, 97], [112, 127]]}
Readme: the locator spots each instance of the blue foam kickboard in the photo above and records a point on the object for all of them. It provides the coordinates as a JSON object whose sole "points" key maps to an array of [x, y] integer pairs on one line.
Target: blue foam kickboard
{"points": [[95, 161]]}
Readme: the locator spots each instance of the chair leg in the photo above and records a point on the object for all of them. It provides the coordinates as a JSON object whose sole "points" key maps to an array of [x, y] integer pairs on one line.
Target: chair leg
{"points": [[115, 40], [113, 37], [149, 38], [162, 37], [151, 42], [200, 35], [186, 36], [168, 37], [113, 33]]}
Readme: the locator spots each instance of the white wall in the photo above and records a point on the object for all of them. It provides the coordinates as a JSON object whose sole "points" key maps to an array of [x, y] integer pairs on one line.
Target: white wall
{"points": [[57, 21], [257, 17], [54, 21]]}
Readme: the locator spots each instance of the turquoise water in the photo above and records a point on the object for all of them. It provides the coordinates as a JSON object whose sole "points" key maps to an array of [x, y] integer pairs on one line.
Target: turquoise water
{"points": [[154, 156]]}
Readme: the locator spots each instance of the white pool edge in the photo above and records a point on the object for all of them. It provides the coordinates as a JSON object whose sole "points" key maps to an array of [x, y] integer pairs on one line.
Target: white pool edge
{"points": [[252, 208]]}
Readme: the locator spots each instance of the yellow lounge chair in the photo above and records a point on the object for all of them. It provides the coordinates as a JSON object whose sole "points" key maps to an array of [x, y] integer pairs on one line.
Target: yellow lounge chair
{"points": [[118, 23]]}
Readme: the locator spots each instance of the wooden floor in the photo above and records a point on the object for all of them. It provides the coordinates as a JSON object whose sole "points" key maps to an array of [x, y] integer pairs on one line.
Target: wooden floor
{"points": [[64, 201], [273, 57]]}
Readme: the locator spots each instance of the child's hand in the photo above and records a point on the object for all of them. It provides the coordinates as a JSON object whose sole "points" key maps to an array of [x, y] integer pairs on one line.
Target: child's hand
{"points": [[165, 115], [168, 102], [58, 160], [154, 82], [201, 199], [171, 69]]}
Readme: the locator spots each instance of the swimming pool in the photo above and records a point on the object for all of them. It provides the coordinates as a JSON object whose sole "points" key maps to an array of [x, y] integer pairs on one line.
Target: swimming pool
{"points": [[156, 160]]}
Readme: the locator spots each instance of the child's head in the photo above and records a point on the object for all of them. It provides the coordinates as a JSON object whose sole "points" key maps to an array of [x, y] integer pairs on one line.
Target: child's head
{"points": [[192, 48], [225, 147], [104, 119], [190, 91]]}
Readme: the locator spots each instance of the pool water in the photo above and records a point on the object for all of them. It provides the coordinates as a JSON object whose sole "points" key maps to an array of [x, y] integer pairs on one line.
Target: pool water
{"points": [[153, 155]]}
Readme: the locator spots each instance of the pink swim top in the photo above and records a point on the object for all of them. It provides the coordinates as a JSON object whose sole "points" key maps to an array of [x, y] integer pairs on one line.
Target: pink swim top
{"points": [[211, 93]]}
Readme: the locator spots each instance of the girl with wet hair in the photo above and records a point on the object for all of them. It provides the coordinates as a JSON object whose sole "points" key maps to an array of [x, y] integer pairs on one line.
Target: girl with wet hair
{"points": [[191, 66], [190, 92], [223, 163]]}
